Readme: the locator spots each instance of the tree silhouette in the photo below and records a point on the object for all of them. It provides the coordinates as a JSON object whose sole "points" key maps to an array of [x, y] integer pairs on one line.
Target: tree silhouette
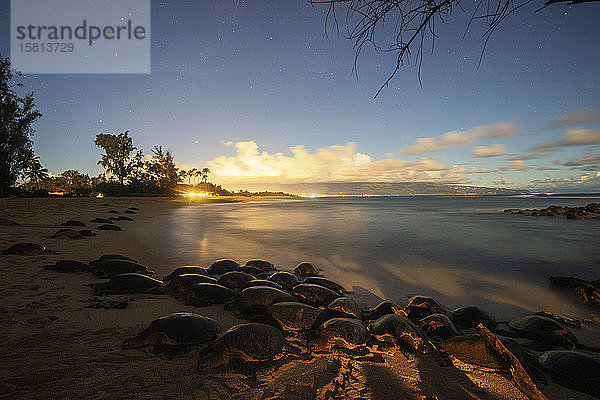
{"points": [[117, 154], [413, 22], [162, 167], [192, 173], [205, 172], [17, 114], [35, 172]]}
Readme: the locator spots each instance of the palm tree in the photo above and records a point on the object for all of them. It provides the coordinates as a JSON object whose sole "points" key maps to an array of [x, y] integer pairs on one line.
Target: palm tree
{"points": [[192, 173], [205, 172], [197, 173], [35, 172]]}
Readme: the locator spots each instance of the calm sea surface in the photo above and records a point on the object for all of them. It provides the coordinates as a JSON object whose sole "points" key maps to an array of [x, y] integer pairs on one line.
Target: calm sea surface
{"points": [[461, 250]]}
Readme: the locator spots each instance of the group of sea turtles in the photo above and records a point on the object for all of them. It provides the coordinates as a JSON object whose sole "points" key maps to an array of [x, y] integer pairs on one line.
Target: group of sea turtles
{"points": [[301, 312]]}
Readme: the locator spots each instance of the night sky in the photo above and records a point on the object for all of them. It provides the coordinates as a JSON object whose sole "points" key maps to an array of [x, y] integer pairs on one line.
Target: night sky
{"points": [[257, 92]]}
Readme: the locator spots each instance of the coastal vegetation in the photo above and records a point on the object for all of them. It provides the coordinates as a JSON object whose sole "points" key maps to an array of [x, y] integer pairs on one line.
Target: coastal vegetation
{"points": [[17, 114]]}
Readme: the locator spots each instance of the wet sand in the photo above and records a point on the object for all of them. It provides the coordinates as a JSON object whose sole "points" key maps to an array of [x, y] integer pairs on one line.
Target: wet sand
{"points": [[54, 348]]}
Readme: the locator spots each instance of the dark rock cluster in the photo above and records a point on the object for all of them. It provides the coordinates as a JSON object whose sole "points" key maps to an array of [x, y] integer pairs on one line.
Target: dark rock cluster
{"points": [[590, 211]]}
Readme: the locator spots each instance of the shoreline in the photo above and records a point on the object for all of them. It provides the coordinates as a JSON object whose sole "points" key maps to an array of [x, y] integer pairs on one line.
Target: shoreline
{"points": [[57, 348]]}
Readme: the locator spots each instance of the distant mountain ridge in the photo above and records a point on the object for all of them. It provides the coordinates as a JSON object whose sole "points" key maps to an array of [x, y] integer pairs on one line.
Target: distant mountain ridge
{"points": [[382, 189]]}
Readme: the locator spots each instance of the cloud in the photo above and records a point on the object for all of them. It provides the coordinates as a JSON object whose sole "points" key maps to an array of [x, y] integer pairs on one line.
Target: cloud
{"points": [[586, 182], [503, 182], [589, 159], [338, 163], [574, 118], [461, 138], [573, 137], [542, 168], [517, 165], [495, 150]]}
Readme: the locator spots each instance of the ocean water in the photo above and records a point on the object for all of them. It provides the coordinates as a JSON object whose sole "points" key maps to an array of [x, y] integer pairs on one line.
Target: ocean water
{"points": [[461, 250]]}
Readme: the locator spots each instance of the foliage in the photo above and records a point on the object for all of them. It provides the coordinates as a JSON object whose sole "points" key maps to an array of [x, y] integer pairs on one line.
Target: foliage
{"points": [[35, 172], [117, 154], [162, 170], [17, 114]]}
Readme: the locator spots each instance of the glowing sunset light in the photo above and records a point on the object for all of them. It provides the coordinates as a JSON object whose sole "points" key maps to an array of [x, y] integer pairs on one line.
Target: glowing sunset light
{"points": [[193, 194]]}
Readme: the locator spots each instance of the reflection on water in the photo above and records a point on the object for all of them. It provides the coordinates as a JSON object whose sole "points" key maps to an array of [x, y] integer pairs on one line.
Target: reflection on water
{"points": [[461, 250]]}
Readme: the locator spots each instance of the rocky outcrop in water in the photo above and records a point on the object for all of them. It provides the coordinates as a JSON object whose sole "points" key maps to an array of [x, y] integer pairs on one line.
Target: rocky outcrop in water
{"points": [[590, 211]]}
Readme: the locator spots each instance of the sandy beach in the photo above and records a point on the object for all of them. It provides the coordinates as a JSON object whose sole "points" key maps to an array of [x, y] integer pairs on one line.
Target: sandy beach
{"points": [[53, 347]]}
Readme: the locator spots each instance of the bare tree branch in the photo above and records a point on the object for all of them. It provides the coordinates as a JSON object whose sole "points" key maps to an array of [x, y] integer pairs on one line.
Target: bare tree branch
{"points": [[415, 21]]}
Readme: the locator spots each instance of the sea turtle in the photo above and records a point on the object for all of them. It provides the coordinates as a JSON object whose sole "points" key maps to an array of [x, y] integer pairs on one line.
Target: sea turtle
{"points": [[315, 295], [73, 222], [264, 282], [285, 279], [400, 331], [133, 208], [305, 269], [422, 306], [569, 281], [251, 270], [204, 294], [317, 280], [114, 218], [347, 333], [234, 280], [346, 306], [545, 330], [266, 266], [67, 233], [129, 212], [26, 248], [178, 329], [101, 221], [87, 233], [109, 227], [383, 308], [188, 269], [560, 318], [474, 351], [470, 316], [263, 275], [256, 299], [115, 266], [220, 267], [129, 284], [179, 284], [245, 342], [124, 218], [294, 316], [573, 369], [68, 266], [105, 257], [438, 326], [113, 212]]}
